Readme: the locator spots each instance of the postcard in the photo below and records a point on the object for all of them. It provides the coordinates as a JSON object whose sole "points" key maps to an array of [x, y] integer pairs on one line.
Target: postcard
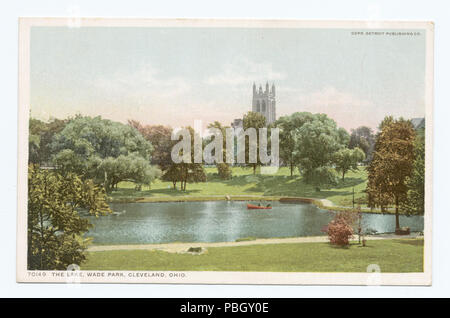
{"points": [[208, 151]]}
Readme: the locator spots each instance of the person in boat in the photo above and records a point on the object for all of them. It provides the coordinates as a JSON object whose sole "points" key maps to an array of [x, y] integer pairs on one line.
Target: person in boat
{"points": [[259, 204], [268, 206]]}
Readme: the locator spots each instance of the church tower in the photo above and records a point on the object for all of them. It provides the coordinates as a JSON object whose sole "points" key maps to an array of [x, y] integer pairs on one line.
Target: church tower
{"points": [[264, 102]]}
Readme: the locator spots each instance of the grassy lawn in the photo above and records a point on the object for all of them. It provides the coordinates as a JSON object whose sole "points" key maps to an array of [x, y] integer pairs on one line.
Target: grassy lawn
{"points": [[397, 255], [245, 183]]}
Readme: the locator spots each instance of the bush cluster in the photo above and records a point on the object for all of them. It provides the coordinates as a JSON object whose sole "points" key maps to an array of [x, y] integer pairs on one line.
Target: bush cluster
{"points": [[340, 229]]}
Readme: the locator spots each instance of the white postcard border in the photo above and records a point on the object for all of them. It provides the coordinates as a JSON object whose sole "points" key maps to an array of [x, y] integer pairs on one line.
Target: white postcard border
{"points": [[200, 277]]}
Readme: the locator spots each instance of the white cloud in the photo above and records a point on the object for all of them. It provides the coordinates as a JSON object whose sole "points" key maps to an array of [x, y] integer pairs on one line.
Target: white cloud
{"points": [[148, 97], [244, 72], [144, 85], [331, 97]]}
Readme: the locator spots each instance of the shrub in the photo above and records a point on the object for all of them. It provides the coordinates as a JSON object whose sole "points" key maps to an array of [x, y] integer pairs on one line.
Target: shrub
{"points": [[195, 250], [321, 177], [224, 171], [340, 229]]}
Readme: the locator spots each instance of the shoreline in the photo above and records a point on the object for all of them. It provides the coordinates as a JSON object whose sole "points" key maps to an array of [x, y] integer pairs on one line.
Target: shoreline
{"points": [[324, 204], [182, 247]]}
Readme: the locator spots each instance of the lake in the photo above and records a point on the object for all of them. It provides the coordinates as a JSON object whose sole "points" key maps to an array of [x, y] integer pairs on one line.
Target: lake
{"points": [[221, 221]]}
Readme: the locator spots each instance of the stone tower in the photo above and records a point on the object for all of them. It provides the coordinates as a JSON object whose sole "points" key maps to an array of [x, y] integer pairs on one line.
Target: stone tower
{"points": [[264, 102]]}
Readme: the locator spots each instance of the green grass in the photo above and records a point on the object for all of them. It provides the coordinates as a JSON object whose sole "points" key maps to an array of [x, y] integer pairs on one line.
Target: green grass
{"points": [[244, 183], [394, 256]]}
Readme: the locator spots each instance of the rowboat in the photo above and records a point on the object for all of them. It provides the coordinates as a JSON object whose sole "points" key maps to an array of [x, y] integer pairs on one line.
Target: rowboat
{"points": [[256, 207]]}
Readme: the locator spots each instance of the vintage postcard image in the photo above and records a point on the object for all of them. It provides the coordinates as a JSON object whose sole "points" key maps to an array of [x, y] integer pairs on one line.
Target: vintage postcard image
{"points": [[224, 151]]}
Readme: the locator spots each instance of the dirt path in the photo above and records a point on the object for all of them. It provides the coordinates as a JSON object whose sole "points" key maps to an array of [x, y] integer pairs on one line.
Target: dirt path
{"points": [[183, 247], [326, 203]]}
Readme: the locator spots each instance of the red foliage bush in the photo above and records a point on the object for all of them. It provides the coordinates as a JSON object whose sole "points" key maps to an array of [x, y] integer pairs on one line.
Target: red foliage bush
{"points": [[340, 229]]}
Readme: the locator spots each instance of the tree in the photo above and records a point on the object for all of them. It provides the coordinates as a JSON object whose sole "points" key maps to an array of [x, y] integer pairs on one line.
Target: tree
{"points": [[87, 136], [68, 161], [40, 138], [223, 168], [320, 176], [159, 137], [55, 228], [256, 121], [344, 137], [363, 138], [131, 168], [185, 172], [347, 159], [316, 141], [415, 202], [192, 173], [172, 173], [224, 171], [105, 151], [35, 129], [287, 126], [392, 165]]}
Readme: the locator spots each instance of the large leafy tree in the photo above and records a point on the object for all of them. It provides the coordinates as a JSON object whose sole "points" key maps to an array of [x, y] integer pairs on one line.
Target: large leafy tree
{"points": [[347, 159], [256, 121], [87, 136], [288, 126], [363, 138], [131, 168], [316, 142], [185, 172], [103, 150], [415, 203], [392, 164], [55, 227], [159, 137]]}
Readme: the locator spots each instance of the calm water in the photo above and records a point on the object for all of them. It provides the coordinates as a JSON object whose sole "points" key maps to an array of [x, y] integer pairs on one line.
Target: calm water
{"points": [[134, 223]]}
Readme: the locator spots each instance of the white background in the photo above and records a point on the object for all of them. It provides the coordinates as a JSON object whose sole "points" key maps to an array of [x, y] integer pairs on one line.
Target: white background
{"points": [[436, 11]]}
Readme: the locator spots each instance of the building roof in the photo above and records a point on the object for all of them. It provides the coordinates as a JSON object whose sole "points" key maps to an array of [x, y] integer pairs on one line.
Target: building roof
{"points": [[418, 123]]}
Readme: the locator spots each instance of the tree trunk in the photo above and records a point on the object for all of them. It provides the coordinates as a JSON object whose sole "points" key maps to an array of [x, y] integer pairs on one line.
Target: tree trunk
{"points": [[292, 169], [254, 169], [397, 217], [343, 175]]}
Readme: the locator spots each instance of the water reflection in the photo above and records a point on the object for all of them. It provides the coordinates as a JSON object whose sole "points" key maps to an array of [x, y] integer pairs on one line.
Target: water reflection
{"points": [[138, 223]]}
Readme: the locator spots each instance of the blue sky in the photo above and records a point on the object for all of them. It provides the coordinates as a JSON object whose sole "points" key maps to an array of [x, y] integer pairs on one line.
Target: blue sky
{"points": [[174, 76]]}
